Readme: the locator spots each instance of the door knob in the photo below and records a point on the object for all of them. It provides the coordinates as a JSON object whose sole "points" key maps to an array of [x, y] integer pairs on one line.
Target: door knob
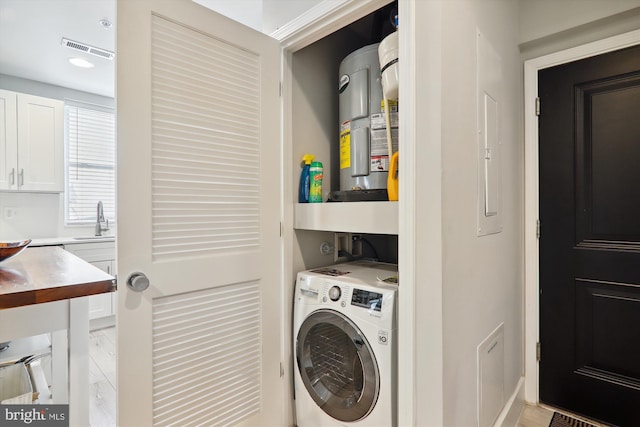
{"points": [[138, 282]]}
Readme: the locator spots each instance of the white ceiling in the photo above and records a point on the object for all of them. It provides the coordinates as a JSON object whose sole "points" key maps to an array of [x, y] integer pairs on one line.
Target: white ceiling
{"points": [[30, 36], [31, 32]]}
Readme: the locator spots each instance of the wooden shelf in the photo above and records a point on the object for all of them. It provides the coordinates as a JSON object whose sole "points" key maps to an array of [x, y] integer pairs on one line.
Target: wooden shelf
{"points": [[352, 217]]}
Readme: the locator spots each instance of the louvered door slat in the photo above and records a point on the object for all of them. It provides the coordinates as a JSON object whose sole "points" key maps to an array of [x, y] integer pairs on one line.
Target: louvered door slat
{"points": [[174, 88], [205, 127], [206, 343]]}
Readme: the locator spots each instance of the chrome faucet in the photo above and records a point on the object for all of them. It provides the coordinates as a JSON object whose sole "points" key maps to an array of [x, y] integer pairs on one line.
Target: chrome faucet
{"points": [[102, 224]]}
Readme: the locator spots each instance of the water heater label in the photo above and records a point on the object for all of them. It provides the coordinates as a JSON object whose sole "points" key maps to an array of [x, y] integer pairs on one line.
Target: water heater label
{"points": [[380, 150], [392, 103], [379, 147], [345, 145], [378, 121], [379, 163]]}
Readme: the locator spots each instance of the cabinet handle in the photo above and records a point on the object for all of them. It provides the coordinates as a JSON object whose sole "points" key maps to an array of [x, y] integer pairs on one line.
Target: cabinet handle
{"points": [[12, 179], [21, 178]]}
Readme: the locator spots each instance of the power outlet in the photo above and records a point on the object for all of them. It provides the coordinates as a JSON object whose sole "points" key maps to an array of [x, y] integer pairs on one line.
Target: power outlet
{"points": [[356, 245], [10, 213], [341, 244]]}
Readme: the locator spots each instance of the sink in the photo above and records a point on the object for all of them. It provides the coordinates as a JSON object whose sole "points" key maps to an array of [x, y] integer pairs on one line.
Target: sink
{"points": [[92, 237]]}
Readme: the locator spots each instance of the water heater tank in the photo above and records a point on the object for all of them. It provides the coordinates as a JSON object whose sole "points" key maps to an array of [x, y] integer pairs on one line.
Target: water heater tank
{"points": [[364, 154]]}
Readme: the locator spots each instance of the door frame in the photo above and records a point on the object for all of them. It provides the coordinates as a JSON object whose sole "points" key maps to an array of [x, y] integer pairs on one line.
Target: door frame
{"points": [[532, 202]]}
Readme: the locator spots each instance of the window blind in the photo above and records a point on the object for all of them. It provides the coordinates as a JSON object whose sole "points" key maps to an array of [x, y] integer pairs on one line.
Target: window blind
{"points": [[90, 163]]}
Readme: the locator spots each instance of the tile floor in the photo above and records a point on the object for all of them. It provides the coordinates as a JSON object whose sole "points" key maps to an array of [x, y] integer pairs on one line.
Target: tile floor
{"points": [[535, 416]]}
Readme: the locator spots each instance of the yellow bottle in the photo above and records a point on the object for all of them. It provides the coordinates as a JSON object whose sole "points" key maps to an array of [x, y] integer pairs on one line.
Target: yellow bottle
{"points": [[392, 178]]}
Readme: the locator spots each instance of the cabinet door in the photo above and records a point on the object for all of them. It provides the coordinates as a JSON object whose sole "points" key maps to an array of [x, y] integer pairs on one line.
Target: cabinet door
{"points": [[100, 255], [8, 140], [101, 305], [40, 144]]}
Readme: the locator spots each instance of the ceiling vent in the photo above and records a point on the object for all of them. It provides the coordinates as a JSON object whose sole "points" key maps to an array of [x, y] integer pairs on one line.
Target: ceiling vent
{"points": [[83, 47]]}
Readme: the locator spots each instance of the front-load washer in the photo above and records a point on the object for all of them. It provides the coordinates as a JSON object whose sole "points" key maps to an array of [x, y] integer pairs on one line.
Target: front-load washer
{"points": [[344, 341]]}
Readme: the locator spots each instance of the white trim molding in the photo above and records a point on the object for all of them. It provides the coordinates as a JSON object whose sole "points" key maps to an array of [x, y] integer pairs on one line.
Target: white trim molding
{"points": [[512, 410], [407, 301], [323, 19], [531, 68]]}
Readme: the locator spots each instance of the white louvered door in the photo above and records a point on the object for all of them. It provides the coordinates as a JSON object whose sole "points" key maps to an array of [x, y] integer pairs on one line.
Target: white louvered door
{"points": [[199, 213]]}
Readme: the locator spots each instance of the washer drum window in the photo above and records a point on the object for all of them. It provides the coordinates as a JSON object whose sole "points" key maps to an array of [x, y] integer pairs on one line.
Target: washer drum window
{"points": [[337, 365]]}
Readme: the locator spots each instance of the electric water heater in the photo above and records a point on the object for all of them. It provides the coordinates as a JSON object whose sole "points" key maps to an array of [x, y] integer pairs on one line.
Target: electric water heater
{"points": [[364, 153]]}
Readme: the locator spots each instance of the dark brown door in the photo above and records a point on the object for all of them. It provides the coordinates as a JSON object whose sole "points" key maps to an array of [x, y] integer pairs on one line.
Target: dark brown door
{"points": [[590, 237]]}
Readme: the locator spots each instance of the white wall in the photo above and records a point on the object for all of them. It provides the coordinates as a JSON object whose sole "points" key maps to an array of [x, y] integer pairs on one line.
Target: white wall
{"points": [[276, 13], [248, 12], [262, 15], [548, 26], [540, 18], [32, 215], [482, 277], [32, 87]]}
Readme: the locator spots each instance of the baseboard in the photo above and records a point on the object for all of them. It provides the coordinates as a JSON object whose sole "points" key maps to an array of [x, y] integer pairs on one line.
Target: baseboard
{"points": [[513, 408]]}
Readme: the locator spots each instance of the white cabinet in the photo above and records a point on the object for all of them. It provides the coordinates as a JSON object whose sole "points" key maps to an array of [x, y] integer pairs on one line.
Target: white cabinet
{"points": [[8, 139], [102, 305], [102, 255], [31, 143]]}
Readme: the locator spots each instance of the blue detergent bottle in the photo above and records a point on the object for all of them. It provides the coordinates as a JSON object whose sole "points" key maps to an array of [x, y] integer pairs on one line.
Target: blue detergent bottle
{"points": [[303, 190]]}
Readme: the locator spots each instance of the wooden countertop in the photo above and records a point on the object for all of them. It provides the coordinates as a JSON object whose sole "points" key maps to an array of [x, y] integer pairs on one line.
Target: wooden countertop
{"points": [[49, 273]]}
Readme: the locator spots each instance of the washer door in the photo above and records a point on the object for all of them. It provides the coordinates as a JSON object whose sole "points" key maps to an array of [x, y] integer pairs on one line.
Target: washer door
{"points": [[337, 365]]}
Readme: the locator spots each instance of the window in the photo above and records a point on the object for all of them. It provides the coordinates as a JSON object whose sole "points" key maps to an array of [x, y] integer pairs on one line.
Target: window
{"points": [[90, 162]]}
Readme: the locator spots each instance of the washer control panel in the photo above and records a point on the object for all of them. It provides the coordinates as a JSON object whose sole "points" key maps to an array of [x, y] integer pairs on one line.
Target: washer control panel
{"points": [[367, 299], [359, 289], [334, 293], [370, 300]]}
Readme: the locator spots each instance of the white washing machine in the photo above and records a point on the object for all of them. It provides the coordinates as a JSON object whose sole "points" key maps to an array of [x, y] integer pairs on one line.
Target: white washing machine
{"points": [[344, 341]]}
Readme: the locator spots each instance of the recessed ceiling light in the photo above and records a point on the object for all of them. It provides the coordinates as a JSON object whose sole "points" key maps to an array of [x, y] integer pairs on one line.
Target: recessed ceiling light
{"points": [[81, 62], [105, 23]]}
